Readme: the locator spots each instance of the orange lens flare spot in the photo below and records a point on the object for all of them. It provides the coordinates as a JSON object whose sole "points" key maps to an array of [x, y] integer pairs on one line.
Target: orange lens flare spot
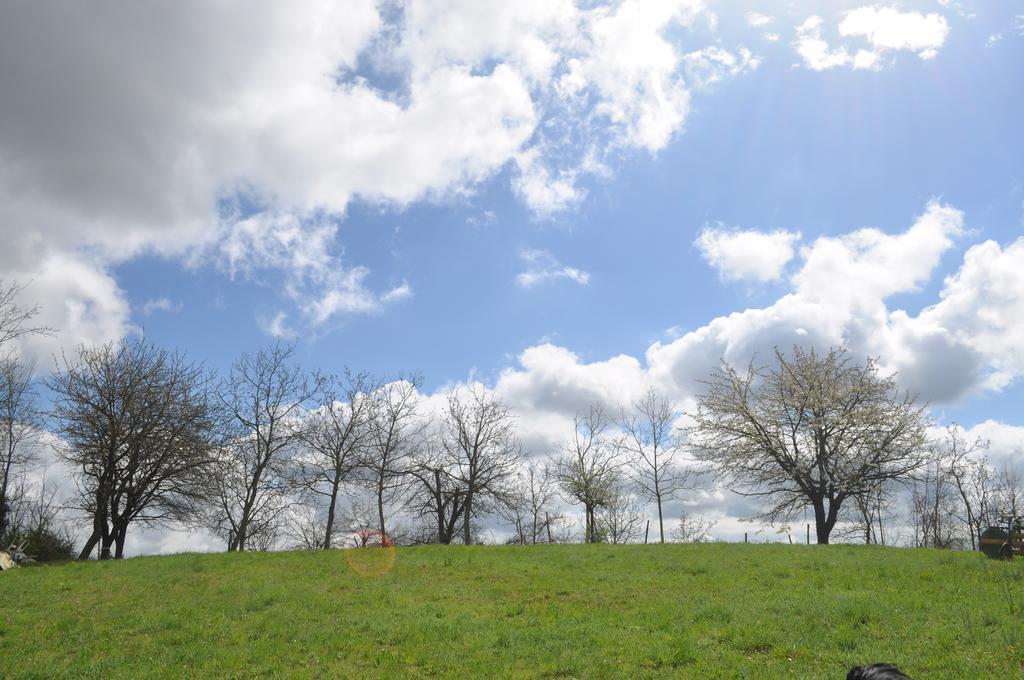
{"points": [[369, 552]]}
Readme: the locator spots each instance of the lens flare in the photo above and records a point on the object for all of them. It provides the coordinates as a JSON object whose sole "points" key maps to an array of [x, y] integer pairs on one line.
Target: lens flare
{"points": [[369, 552]]}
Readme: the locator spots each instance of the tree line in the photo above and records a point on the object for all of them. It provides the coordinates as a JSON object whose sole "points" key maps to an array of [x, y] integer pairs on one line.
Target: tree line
{"points": [[271, 455]]}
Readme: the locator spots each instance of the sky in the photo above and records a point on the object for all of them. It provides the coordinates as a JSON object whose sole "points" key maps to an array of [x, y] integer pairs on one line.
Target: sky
{"points": [[568, 201]]}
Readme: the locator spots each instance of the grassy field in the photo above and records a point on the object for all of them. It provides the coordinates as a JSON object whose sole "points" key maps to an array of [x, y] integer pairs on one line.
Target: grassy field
{"points": [[702, 611]]}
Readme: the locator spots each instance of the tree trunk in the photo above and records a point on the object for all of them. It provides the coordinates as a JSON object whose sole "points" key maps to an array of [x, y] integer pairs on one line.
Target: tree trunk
{"points": [[380, 511], [89, 545], [439, 507], [240, 535], [467, 508], [591, 530], [821, 526], [661, 523], [108, 540], [119, 536], [330, 515], [3, 494]]}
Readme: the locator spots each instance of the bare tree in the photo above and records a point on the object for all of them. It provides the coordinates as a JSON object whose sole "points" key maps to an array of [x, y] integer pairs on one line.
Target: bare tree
{"points": [[693, 529], [1009, 499], [622, 518], [529, 505], [335, 437], [441, 496], [810, 431], [872, 510], [933, 508], [478, 438], [962, 461], [137, 426], [19, 416], [588, 468], [262, 399], [395, 432], [307, 528], [19, 425], [652, 449]]}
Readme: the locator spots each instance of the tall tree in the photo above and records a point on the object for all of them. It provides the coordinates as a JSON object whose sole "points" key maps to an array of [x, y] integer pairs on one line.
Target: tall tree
{"points": [[262, 401], [440, 496], [652, 448], [964, 462], [588, 468], [137, 424], [19, 425], [478, 437], [335, 436], [812, 430], [395, 431]]}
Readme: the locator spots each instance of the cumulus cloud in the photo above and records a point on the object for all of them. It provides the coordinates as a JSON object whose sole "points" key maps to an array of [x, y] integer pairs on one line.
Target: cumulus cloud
{"points": [[543, 267], [231, 134], [747, 255], [884, 29], [981, 306], [839, 296]]}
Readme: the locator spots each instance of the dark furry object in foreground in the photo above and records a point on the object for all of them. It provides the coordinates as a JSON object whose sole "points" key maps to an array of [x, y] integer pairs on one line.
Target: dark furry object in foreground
{"points": [[876, 671]]}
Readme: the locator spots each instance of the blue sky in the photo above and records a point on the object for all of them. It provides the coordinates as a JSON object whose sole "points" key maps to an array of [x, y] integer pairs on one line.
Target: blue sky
{"points": [[377, 188]]}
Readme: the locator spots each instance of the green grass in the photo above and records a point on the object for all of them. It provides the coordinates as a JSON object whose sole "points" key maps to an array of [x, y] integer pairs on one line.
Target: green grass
{"points": [[701, 611]]}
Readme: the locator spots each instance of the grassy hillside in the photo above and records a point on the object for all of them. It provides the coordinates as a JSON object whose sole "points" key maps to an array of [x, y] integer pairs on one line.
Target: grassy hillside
{"points": [[757, 611]]}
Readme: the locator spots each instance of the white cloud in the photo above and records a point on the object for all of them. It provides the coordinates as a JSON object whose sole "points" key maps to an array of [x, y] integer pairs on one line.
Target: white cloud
{"points": [[545, 191], [160, 304], [816, 53], [747, 255], [712, 64], [631, 66], [78, 298], [316, 280], [838, 296], [276, 326], [1005, 442], [543, 267], [400, 292], [993, 39], [757, 19], [982, 305], [881, 264], [150, 130], [885, 29]]}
